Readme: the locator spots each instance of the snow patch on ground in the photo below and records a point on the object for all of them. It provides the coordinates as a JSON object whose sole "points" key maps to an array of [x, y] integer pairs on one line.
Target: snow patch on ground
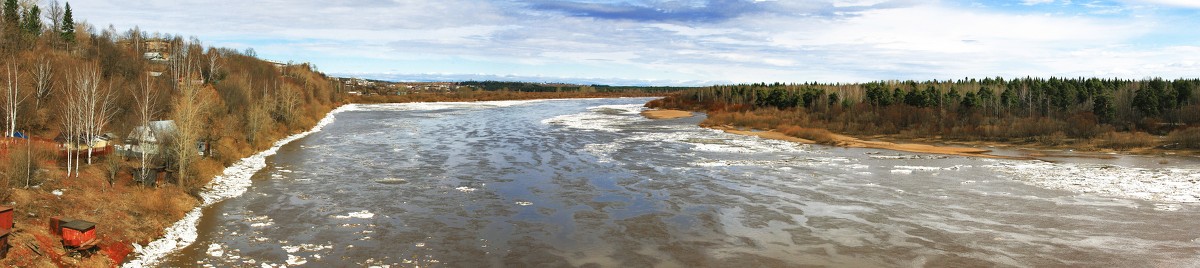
{"points": [[232, 183]]}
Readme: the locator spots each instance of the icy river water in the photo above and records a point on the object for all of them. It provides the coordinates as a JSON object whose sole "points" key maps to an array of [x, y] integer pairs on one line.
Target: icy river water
{"points": [[592, 183]]}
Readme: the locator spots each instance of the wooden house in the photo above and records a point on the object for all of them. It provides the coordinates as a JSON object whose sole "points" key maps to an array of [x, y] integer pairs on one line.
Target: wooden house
{"points": [[77, 233]]}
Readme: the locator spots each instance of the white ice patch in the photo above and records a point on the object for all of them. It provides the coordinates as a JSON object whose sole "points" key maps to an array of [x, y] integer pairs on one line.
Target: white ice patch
{"points": [[260, 221], [215, 250], [232, 183], [599, 118], [357, 215], [1169, 185], [296, 260], [433, 106], [465, 189]]}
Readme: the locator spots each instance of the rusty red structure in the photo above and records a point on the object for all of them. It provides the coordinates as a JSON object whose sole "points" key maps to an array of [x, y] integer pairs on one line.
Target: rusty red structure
{"points": [[4, 243], [6, 218], [6, 226], [78, 233], [56, 225]]}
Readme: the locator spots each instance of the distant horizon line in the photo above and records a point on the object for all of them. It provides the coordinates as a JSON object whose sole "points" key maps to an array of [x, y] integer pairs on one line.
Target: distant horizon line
{"points": [[619, 82]]}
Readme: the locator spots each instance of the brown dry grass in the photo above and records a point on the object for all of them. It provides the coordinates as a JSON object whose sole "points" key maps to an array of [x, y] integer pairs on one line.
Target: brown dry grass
{"points": [[1185, 138], [666, 114], [1126, 140]]}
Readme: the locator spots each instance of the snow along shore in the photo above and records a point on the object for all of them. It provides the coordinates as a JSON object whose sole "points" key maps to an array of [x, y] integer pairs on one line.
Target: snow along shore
{"points": [[232, 183]]}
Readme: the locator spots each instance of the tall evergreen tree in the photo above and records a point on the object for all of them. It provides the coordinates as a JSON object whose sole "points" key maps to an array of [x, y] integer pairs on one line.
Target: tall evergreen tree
{"points": [[68, 25], [33, 21], [11, 14]]}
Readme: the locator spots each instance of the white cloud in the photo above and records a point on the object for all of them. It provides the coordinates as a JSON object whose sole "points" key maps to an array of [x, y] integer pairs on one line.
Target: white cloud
{"points": [[834, 40], [1178, 3], [1035, 2]]}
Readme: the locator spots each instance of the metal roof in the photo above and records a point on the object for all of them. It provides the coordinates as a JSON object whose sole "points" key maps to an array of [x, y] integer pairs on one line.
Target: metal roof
{"points": [[79, 225]]}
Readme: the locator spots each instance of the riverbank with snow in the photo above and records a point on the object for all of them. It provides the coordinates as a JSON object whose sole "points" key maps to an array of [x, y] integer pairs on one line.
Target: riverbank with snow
{"points": [[232, 183]]}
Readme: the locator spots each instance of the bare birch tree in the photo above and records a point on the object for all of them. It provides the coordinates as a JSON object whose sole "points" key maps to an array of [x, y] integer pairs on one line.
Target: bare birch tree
{"points": [[145, 97], [70, 120], [95, 106], [43, 86], [12, 100], [214, 64]]}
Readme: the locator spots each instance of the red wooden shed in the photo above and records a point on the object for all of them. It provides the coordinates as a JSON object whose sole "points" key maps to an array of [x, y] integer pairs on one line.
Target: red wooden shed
{"points": [[3, 243], [78, 232], [6, 218], [56, 225]]}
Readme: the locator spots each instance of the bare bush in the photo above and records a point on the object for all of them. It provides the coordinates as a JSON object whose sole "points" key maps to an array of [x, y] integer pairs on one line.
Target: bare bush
{"points": [[1185, 138]]}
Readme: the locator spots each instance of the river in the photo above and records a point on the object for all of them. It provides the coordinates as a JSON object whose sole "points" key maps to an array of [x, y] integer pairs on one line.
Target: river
{"points": [[592, 183]]}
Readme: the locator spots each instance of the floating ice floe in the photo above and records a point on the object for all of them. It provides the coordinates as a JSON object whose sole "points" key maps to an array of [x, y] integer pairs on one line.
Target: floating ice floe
{"points": [[357, 214], [296, 260], [1171, 185], [433, 106], [465, 189], [215, 250], [232, 183], [600, 118], [260, 221]]}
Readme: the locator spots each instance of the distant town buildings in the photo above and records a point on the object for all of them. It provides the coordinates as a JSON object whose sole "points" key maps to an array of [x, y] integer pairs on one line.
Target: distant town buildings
{"points": [[359, 86]]}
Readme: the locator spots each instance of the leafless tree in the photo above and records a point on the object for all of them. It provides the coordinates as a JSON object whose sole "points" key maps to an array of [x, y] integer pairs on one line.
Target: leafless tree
{"points": [[214, 64], [12, 100], [54, 13], [70, 120], [96, 106], [145, 98], [190, 105], [42, 83], [287, 103], [258, 117]]}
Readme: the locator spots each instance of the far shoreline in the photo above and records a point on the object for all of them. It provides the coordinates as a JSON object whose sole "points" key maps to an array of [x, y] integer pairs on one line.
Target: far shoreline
{"points": [[839, 140]]}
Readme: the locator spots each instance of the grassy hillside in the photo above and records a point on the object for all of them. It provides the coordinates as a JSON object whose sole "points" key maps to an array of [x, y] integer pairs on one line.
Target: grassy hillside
{"points": [[85, 82]]}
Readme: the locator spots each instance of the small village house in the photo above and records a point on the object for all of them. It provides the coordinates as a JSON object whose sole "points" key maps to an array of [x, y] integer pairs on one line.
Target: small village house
{"points": [[148, 138], [100, 145]]}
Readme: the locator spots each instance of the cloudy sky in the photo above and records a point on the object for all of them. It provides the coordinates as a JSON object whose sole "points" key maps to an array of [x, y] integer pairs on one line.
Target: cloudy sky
{"points": [[689, 42]]}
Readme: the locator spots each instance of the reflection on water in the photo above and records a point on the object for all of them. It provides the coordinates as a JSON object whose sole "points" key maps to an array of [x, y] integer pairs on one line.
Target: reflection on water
{"points": [[589, 182]]}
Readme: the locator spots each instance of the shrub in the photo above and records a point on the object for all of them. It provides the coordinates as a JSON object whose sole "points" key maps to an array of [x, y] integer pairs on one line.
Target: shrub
{"points": [[1126, 140], [1185, 138], [815, 134]]}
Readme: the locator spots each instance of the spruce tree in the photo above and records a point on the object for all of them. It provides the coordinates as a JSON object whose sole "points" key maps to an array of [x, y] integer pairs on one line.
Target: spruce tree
{"points": [[11, 14], [68, 25], [33, 21]]}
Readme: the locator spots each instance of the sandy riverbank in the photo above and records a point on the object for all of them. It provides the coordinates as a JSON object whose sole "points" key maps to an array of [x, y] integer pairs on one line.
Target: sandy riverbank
{"points": [[840, 140], [852, 142], [666, 114]]}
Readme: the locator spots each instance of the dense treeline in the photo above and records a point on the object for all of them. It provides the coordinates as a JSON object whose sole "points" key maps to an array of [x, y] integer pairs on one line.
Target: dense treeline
{"points": [[67, 85], [460, 96], [541, 87], [1113, 113]]}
